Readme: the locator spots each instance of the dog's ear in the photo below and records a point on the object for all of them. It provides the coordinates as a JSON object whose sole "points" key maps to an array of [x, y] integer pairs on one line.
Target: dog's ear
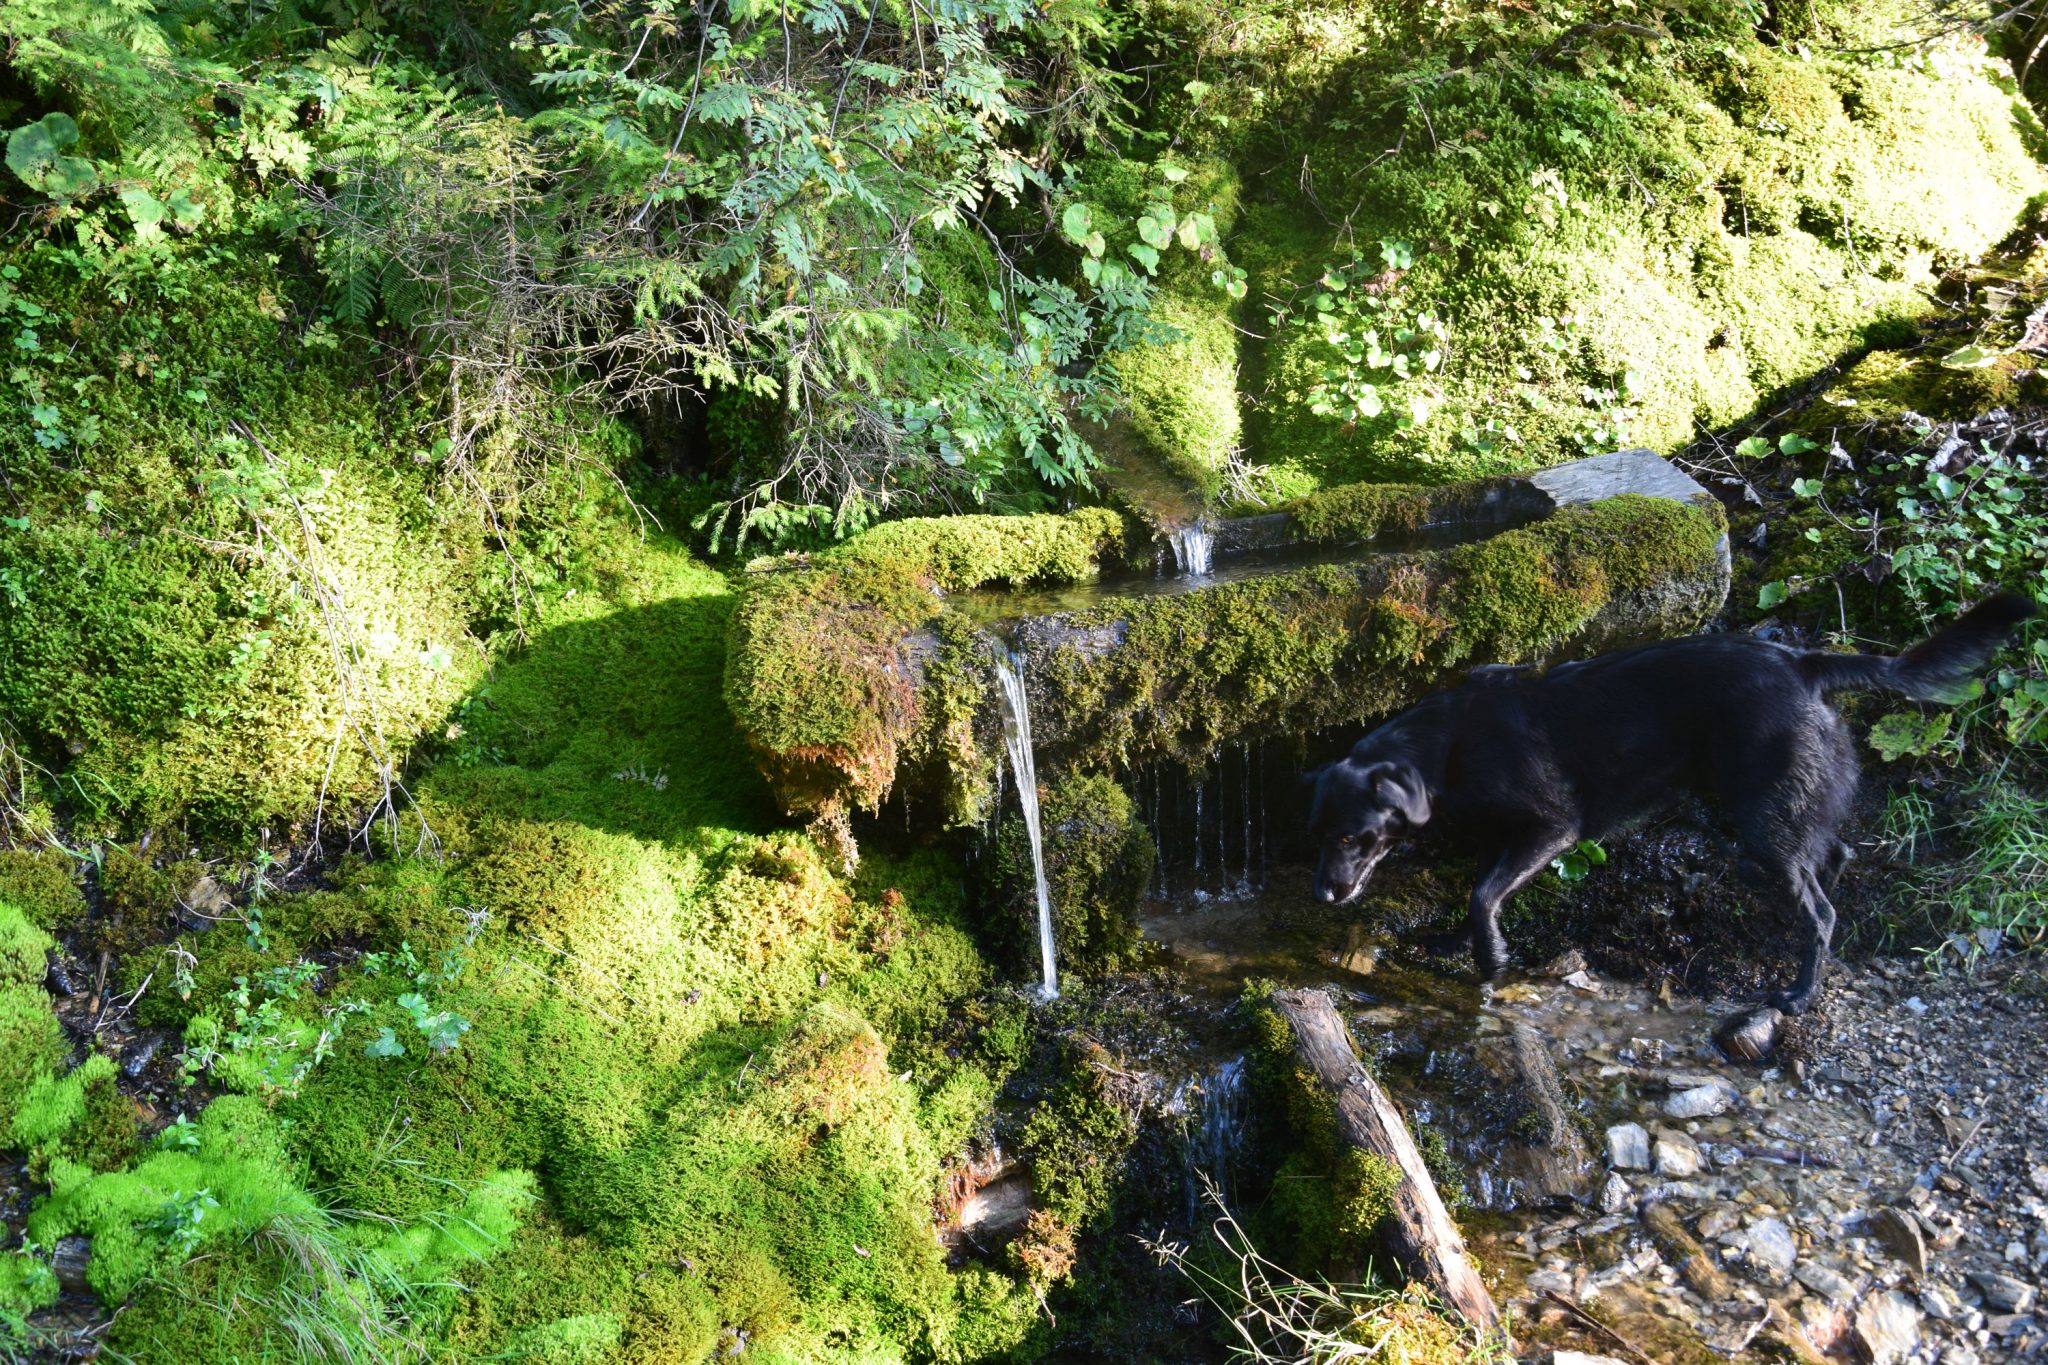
{"points": [[1399, 787], [1309, 778]]}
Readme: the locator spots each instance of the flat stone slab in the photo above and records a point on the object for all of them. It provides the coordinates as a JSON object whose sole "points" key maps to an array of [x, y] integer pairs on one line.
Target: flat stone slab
{"points": [[1608, 476]]}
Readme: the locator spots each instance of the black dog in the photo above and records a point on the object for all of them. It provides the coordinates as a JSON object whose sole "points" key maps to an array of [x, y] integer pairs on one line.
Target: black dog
{"points": [[1519, 766]]}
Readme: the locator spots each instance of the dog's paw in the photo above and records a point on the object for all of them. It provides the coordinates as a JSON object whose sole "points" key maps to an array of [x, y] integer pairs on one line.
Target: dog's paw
{"points": [[1790, 1002], [1450, 943]]}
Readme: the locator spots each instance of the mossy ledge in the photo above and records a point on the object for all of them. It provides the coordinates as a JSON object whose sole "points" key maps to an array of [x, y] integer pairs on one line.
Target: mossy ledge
{"points": [[851, 673]]}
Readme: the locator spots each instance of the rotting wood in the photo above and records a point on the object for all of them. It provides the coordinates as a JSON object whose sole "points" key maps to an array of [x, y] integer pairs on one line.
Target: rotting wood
{"points": [[1419, 1230]]}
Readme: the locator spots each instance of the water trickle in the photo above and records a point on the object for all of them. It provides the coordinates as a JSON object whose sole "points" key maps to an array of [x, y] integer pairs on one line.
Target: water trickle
{"points": [[1194, 549], [1212, 1113], [1017, 741]]}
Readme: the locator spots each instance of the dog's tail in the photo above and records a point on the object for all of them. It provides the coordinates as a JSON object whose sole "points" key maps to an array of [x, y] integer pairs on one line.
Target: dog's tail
{"points": [[1937, 668]]}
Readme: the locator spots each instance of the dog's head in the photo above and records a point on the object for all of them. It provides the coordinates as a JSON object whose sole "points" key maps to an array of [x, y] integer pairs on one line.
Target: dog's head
{"points": [[1360, 808]]}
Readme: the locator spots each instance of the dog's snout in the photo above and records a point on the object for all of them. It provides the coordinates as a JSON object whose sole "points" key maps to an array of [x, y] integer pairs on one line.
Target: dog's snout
{"points": [[1326, 895]]}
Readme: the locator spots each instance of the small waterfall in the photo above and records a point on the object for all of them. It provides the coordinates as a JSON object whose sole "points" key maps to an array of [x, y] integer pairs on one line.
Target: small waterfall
{"points": [[1194, 549], [1017, 740], [1212, 1114]]}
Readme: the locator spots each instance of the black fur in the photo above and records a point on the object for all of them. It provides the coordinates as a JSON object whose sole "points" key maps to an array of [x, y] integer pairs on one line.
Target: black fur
{"points": [[1519, 766]]}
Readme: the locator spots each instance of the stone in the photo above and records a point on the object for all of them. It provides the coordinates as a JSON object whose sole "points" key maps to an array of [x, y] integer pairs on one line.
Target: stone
{"points": [[1580, 1358], [1628, 1147], [1938, 1301], [2003, 1293], [1888, 1326], [1718, 1219], [1750, 1035], [1899, 1234], [1771, 1250], [1361, 954], [1675, 1155], [1617, 1196], [1700, 1102], [1549, 1282], [1829, 1284]]}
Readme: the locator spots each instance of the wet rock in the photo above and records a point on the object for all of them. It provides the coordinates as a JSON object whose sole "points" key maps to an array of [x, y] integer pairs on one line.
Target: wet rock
{"points": [[998, 1211], [69, 1258], [1888, 1327], [1899, 1233], [1695, 1266], [1361, 953], [1563, 965], [146, 1049], [1617, 1196], [1770, 1250], [1751, 1035], [1719, 1219], [58, 976], [1822, 1280], [1580, 1358], [1675, 1155], [1549, 1282], [1628, 1147], [1546, 1150], [1700, 1101], [2002, 1293], [1938, 1301]]}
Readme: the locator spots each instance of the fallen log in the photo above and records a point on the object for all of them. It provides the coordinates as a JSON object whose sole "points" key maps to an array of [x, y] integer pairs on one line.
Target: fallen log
{"points": [[1419, 1231]]}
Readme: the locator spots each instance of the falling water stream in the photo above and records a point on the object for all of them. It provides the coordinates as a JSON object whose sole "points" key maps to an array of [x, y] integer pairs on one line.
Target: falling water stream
{"points": [[1017, 740], [1194, 549]]}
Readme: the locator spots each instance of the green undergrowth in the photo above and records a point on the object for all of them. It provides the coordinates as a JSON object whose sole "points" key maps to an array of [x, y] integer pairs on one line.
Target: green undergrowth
{"points": [[1623, 237], [237, 579], [717, 1055]]}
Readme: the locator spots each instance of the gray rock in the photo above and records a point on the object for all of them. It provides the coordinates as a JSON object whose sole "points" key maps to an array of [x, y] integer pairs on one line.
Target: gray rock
{"points": [[2003, 1293], [1675, 1155], [1549, 1282], [1827, 1283], [1937, 1300], [1628, 1147], [1700, 1102], [1899, 1233], [1617, 1196], [1771, 1250], [1580, 1358], [1888, 1325], [1718, 1220]]}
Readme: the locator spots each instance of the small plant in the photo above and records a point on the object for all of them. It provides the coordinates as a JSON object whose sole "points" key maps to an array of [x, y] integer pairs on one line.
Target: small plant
{"points": [[182, 1219], [1379, 354], [440, 1028], [1578, 861]]}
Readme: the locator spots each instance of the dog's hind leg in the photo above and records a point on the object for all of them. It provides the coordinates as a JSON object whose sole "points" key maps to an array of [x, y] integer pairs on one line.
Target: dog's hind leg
{"points": [[1813, 902]]}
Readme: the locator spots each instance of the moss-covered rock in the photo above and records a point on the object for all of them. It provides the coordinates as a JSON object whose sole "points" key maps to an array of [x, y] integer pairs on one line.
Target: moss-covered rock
{"points": [[1098, 861], [820, 675], [32, 1046], [38, 882]]}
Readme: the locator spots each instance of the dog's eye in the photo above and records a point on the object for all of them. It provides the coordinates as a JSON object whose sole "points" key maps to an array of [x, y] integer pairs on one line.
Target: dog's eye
{"points": [[1347, 839]]}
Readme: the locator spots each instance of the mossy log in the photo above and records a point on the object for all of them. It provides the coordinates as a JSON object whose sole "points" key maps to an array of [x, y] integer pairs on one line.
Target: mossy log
{"points": [[1418, 1229]]}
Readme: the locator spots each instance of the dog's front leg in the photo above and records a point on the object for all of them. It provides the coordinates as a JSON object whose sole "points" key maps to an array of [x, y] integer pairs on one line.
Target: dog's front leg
{"points": [[1509, 872]]}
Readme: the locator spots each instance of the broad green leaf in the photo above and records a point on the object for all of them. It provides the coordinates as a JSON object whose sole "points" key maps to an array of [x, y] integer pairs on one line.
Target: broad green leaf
{"points": [[144, 211], [35, 152], [1755, 448], [1174, 174], [1146, 256], [1077, 221], [1792, 443], [1771, 594], [1806, 488], [1156, 227], [1971, 357], [1905, 733]]}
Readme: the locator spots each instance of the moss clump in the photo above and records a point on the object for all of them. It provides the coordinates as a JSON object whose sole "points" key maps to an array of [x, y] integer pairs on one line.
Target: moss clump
{"points": [[38, 883], [1359, 511], [82, 1118], [820, 678], [1314, 648], [1076, 1139], [24, 948], [32, 1045], [1098, 861]]}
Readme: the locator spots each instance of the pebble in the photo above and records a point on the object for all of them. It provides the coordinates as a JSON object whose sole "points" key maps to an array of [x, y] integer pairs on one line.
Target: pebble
{"points": [[2003, 1293], [1899, 1233], [1771, 1249], [1675, 1155], [1718, 1219], [1700, 1102], [1628, 1147], [1580, 1358], [1888, 1326], [1617, 1196], [1827, 1283]]}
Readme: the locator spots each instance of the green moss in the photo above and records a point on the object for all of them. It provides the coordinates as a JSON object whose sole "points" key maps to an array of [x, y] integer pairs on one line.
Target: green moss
{"points": [[1076, 1139], [81, 1117], [37, 881], [1098, 861], [32, 1046], [24, 949], [819, 678]]}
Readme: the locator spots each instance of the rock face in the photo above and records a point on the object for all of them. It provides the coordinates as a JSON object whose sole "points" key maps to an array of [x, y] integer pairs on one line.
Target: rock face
{"points": [[867, 668], [1888, 1326]]}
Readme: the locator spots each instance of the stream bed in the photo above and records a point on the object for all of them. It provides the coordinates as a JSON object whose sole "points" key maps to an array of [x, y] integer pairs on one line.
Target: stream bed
{"points": [[1630, 1192]]}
